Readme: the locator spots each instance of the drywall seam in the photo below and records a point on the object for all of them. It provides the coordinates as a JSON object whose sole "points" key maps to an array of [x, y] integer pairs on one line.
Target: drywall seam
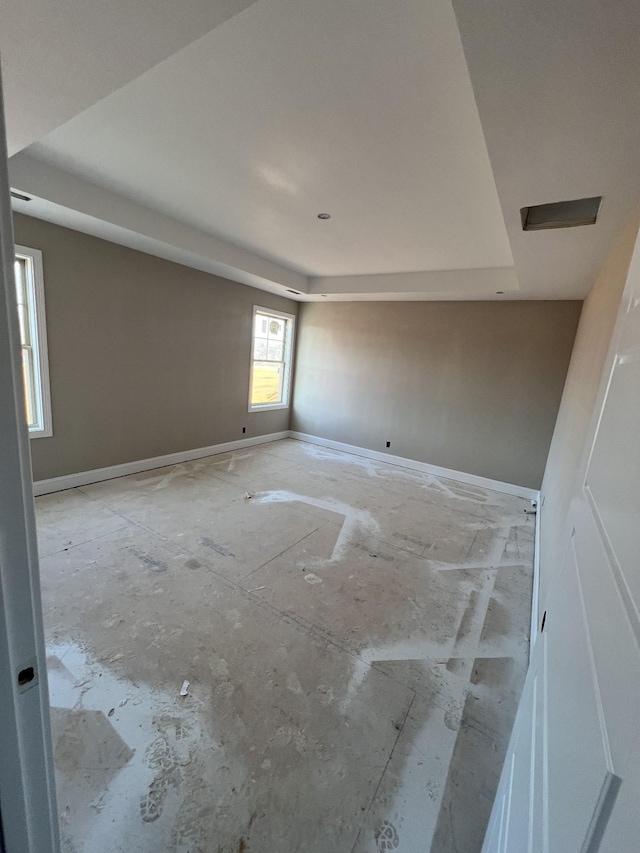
{"points": [[84, 478], [425, 467]]}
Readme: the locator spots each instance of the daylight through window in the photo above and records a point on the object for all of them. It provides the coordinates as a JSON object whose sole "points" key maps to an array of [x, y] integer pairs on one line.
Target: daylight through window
{"points": [[271, 359], [35, 367]]}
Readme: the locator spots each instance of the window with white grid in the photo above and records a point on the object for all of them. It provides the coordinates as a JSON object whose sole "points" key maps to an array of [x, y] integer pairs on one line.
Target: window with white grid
{"points": [[33, 340], [271, 356]]}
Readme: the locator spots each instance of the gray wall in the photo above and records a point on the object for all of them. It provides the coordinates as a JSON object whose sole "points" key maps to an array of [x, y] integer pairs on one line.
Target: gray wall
{"points": [[473, 386], [578, 401], [146, 357]]}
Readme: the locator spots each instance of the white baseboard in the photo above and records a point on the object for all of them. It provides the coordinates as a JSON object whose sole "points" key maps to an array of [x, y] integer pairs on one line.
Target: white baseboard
{"points": [[84, 478], [461, 477], [425, 467]]}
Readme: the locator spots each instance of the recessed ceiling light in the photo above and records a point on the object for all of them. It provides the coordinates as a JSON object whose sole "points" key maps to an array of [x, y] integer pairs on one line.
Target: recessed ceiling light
{"points": [[324, 216]]}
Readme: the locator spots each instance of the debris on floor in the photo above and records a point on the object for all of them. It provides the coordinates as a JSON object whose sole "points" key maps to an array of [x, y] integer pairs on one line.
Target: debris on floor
{"points": [[369, 712]]}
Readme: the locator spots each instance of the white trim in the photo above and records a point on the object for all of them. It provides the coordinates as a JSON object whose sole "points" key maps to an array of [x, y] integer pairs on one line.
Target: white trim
{"points": [[462, 477], [84, 478], [272, 312], [288, 359], [535, 597], [27, 780], [35, 284], [265, 407], [425, 467]]}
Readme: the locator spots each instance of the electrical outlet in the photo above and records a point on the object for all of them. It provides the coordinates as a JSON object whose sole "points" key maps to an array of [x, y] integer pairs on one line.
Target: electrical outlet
{"points": [[244, 429]]}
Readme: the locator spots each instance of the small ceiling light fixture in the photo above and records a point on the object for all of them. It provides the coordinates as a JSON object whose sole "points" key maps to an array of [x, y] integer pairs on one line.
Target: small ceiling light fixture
{"points": [[324, 216], [561, 214]]}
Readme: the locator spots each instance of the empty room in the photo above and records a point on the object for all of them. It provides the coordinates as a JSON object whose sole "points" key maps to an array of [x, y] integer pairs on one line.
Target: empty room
{"points": [[320, 381]]}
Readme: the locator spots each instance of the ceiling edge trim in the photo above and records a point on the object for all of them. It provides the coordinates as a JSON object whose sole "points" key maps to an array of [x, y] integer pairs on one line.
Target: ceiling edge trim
{"points": [[61, 197]]}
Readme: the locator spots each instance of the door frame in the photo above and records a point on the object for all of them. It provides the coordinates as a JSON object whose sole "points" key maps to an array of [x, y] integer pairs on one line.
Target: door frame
{"points": [[27, 782], [608, 598]]}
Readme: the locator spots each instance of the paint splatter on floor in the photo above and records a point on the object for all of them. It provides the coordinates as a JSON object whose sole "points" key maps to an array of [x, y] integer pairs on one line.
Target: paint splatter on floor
{"points": [[355, 638]]}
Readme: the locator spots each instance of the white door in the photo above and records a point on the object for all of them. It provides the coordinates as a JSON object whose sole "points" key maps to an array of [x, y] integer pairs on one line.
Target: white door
{"points": [[571, 780], [27, 795]]}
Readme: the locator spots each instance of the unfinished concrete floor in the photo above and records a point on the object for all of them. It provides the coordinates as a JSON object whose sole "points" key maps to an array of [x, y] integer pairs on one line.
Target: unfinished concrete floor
{"points": [[355, 636]]}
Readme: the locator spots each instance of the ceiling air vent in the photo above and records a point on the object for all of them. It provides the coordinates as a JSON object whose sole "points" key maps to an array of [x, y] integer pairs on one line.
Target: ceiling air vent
{"points": [[561, 214], [19, 196]]}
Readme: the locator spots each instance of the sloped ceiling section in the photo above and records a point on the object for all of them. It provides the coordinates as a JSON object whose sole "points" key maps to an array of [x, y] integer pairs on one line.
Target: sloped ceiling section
{"points": [[558, 90], [59, 58], [422, 128], [67, 200]]}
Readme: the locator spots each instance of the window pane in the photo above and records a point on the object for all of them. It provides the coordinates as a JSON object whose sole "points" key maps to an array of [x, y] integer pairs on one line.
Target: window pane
{"points": [[260, 326], [260, 349], [276, 329], [32, 327], [29, 386], [271, 359], [275, 351], [23, 306], [267, 383], [18, 267]]}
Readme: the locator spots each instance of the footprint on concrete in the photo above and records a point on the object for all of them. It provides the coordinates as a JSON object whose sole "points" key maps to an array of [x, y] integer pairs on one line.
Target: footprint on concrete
{"points": [[162, 759], [160, 756], [182, 729], [187, 833], [172, 727], [152, 803], [386, 836], [194, 821]]}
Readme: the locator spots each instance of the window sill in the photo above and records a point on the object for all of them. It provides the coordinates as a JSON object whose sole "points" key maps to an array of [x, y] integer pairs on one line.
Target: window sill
{"points": [[268, 407], [40, 433]]}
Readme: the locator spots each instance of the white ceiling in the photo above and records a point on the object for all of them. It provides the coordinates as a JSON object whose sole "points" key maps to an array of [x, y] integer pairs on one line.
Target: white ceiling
{"points": [[221, 155], [58, 58], [362, 109], [558, 89]]}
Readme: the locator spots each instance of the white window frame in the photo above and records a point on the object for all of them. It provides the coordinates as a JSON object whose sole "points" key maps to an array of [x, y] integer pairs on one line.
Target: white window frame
{"points": [[35, 294], [288, 359]]}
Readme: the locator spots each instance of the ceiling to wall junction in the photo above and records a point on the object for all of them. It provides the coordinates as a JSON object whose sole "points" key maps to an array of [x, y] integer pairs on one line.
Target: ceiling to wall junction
{"points": [[420, 133]]}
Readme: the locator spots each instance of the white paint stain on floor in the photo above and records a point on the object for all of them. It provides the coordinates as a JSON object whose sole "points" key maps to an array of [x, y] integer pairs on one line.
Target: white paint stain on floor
{"points": [[357, 522], [138, 748], [345, 700]]}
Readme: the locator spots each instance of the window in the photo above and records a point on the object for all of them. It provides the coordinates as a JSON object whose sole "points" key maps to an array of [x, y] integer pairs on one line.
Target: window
{"points": [[33, 337], [271, 351]]}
